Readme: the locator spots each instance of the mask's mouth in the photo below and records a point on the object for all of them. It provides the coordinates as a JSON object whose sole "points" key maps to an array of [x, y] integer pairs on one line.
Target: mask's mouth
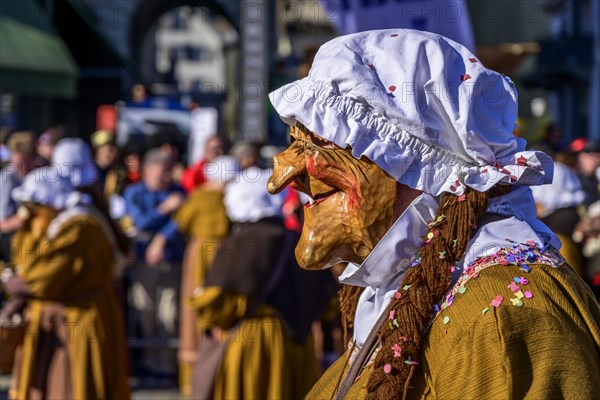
{"points": [[319, 198]]}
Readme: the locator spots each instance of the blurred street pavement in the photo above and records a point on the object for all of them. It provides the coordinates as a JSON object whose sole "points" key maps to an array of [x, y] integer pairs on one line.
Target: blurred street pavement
{"points": [[138, 394]]}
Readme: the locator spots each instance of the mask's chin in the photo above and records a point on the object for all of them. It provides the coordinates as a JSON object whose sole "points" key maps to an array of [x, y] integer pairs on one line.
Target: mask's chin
{"points": [[328, 236]]}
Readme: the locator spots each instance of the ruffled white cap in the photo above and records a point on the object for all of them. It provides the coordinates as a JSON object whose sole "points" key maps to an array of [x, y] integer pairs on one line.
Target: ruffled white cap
{"points": [[46, 187], [72, 158], [419, 105]]}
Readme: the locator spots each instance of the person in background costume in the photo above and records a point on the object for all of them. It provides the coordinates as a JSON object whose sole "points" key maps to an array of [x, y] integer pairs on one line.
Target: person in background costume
{"points": [[203, 219], [453, 288], [272, 354], [74, 346]]}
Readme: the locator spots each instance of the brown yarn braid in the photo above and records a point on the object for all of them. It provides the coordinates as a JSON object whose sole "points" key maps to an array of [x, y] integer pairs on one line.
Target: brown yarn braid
{"points": [[425, 285], [348, 296]]}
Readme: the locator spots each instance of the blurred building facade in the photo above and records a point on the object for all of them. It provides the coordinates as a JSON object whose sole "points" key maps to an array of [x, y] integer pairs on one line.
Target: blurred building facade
{"points": [[229, 54]]}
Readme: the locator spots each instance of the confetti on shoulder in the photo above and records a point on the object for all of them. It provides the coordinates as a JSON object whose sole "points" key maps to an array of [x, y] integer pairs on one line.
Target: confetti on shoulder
{"points": [[497, 301], [485, 310], [516, 302], [409, 361], [406, 287], [446, 319]]}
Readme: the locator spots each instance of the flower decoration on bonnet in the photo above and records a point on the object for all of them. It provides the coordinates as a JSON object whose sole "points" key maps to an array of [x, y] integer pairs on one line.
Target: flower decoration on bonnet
{"points": [[419, 105]]}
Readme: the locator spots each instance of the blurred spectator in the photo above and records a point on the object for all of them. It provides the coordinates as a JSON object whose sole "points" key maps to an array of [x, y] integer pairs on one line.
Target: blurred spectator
{"points": [[159, 250], [21, 146], [588, 161], [553, 141], [112, 175], [132, 154], [202, 218], [74, 346], [139, 94], [247, 154], [171, 142], [587, 233], [4, 152], [557, 208], [194, 175], [47, 141]]}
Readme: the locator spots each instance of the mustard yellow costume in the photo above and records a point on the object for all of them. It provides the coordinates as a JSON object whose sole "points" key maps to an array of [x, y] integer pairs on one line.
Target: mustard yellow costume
{"points": [[74, 346], [203, 219]]}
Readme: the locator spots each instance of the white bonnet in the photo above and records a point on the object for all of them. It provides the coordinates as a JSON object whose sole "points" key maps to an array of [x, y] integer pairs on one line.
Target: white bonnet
{"points": [[72, 157], [419, 105], [46, 187]]}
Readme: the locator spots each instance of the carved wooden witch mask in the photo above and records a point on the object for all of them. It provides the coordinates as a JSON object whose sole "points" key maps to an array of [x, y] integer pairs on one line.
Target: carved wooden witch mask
{"points": [[353, 201]]}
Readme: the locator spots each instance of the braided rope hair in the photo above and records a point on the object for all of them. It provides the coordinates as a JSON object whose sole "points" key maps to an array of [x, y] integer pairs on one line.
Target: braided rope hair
{"points": [[348, 297], [411, 309]]}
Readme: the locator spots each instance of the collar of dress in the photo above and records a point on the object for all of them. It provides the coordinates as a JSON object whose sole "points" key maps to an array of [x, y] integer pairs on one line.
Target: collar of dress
{"points": [[383, 270]]}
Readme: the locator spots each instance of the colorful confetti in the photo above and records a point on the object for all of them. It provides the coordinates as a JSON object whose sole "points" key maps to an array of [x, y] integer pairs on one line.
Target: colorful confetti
{"points": [[516, 302], [446, 319], [522, 161], [523, 281], [473, 60], [392, 88], [528, 294], [514, 287], [485, 310], [397, 295], [392, 314], [406, 287], [387, 368], [519, 295], [465, 77], [462, 289], [462, 197], [525, 268], [409, 361], [397, 350], [497, 301]]}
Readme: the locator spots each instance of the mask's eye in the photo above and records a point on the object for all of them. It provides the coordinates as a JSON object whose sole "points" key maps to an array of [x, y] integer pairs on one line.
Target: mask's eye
{"points": [[322, 143]]}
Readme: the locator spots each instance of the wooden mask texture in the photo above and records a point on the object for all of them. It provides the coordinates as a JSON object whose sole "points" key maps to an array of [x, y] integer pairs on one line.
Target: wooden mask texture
{"points": [[354, 200]]}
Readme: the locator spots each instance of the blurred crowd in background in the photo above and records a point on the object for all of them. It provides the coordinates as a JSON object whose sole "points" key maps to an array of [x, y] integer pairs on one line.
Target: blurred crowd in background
{"points": [[166, 221]]}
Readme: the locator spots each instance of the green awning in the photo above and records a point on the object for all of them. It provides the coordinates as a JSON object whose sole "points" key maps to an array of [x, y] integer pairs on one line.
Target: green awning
{"points": [[33, 59]]}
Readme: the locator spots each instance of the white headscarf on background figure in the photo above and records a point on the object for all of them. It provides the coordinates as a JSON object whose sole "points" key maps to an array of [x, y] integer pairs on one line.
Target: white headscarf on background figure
{"points": [[247, 198], [72, 158], [564, 191], [46, 187]]}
